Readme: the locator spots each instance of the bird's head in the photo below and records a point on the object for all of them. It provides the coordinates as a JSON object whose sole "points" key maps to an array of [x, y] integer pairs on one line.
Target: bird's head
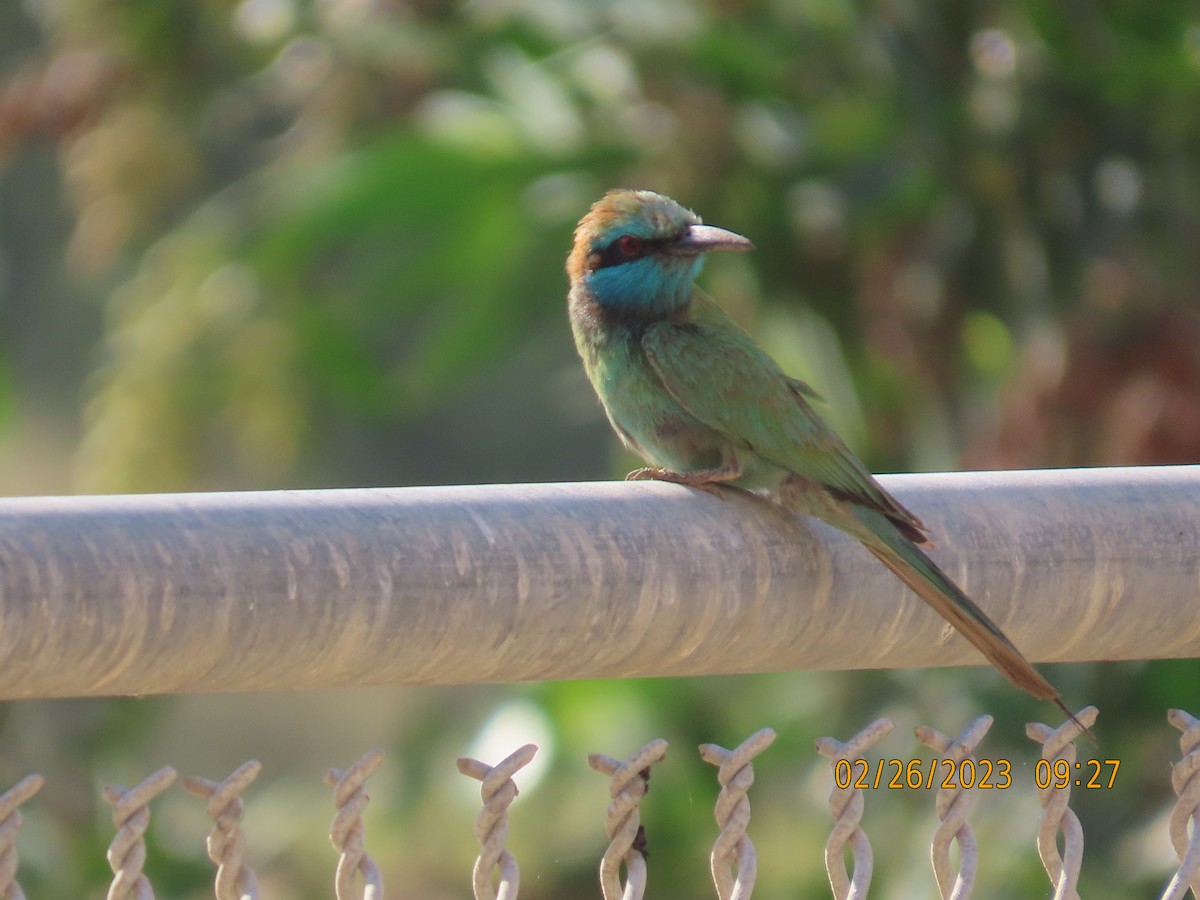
{"points": [[638, 252]]}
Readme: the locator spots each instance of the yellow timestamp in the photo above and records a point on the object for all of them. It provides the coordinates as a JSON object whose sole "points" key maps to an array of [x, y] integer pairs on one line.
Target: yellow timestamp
{"points": [[985, 774], [1089, 774], [948, 774]]}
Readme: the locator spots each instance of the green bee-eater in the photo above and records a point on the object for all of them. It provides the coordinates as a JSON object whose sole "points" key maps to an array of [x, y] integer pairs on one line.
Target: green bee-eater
{"points": [[691, 392]]}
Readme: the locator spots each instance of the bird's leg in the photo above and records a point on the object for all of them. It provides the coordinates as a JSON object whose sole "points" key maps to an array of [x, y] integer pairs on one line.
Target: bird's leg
{"points": [[707, 480]]}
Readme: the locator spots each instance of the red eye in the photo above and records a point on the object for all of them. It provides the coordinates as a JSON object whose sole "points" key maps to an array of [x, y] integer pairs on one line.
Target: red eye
{"points": [[630, 245]]}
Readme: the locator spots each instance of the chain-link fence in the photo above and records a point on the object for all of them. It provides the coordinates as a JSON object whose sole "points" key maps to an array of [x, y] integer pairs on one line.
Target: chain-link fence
{"points": [[957, 777]]}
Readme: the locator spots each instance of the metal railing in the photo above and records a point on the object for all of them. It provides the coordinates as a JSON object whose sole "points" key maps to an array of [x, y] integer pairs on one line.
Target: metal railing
{"points": [[263, 591]]}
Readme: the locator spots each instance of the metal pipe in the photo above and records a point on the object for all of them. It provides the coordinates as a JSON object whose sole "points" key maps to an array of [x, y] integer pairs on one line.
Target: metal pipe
{"points": [[453, 585]]}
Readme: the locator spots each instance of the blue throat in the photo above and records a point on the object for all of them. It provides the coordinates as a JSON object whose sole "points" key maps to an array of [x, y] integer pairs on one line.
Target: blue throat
{"points": [[646, 288]]}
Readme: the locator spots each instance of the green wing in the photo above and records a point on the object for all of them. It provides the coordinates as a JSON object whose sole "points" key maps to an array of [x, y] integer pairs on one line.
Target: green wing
{"points": [[716, 371]]}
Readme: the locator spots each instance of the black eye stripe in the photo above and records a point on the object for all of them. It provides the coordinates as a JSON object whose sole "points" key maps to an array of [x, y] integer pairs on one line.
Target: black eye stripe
{"points": [[614, 255]]}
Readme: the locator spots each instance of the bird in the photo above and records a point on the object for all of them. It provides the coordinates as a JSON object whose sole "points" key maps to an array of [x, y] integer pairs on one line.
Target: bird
{"points": [[687, 389]]}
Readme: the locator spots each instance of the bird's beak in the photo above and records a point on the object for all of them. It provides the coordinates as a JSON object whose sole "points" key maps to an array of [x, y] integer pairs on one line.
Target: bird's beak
{"points": [[705, 238]]}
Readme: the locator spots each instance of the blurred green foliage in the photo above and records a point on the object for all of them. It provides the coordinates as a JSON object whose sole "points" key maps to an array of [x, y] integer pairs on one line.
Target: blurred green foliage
{"points": [[288, 243]]}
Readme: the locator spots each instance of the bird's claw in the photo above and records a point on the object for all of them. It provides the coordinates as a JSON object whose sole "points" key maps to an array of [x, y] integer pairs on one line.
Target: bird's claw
{"points": [[647, 474], [687, 480]]}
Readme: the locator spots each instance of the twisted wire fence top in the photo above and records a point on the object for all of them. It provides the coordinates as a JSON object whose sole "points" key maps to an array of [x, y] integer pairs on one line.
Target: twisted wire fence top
{"points": [[497, 790], [1185, 780], [629, 782], [127, 850], [348, 834], [226, 842], [1058, 747], [846, 805], [10, 824], [733, 848], [952, 805]]}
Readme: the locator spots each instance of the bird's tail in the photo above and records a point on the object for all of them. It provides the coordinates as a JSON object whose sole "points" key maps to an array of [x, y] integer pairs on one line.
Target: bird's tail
{"points": [[932, 585]]}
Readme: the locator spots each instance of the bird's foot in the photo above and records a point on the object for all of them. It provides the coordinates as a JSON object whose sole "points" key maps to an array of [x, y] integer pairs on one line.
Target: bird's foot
{"points": [[704, 481]]}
